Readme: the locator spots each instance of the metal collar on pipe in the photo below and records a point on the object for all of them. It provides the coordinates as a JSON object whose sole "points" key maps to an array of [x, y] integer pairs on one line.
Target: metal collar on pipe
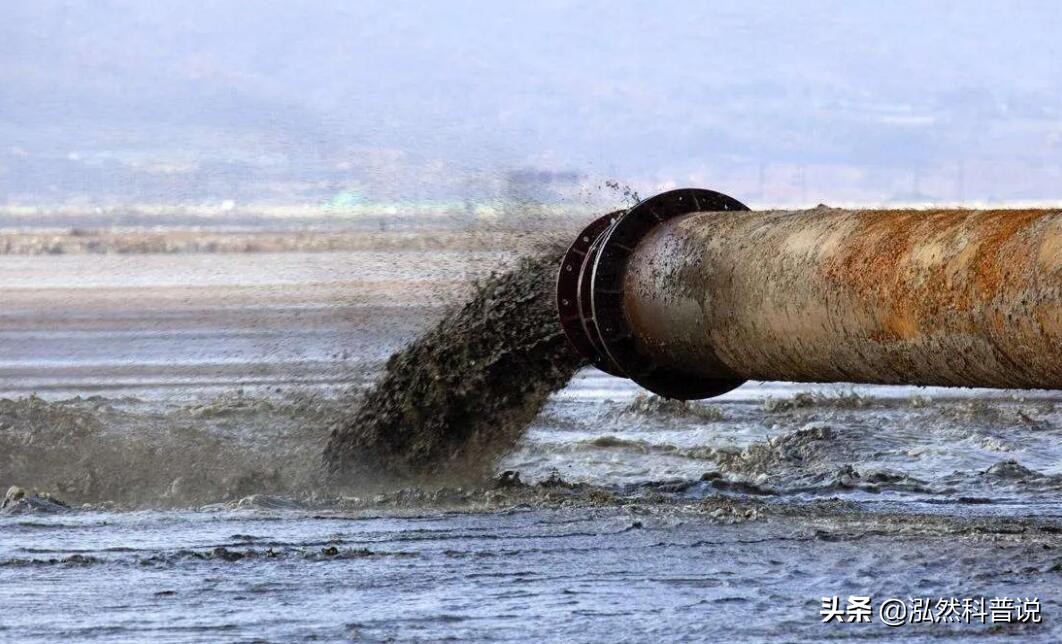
{"points": [[590, 293]]}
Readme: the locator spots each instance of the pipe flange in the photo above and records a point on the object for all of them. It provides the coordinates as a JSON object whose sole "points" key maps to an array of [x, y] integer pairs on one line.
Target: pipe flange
{"points": [[573, 293], [608, 328]]}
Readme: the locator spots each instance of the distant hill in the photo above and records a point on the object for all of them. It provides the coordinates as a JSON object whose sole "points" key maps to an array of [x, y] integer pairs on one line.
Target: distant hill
{"points": [[272, 100]]}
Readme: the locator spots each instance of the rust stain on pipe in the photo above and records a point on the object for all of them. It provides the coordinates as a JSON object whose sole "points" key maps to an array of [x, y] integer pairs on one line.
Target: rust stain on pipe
{"points": [[943, 298], [933, 297]]}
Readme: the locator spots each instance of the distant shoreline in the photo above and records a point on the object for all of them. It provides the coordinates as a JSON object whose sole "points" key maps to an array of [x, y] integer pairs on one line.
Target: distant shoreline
{"points": [[189, 240]]}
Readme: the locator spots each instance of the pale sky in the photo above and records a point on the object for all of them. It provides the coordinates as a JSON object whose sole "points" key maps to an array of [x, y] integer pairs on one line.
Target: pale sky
{"points": [[845, 100]]}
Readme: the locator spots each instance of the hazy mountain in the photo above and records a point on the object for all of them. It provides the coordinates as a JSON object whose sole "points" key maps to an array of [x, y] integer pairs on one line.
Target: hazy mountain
{"points": [[278, 100]]}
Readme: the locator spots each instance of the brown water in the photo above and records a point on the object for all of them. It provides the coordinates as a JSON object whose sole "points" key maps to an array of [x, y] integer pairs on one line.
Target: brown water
{"points": [[462, 393]]}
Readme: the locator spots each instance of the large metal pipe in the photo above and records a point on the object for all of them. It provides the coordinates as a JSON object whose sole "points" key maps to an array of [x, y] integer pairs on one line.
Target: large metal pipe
{"points": [[689, 294]]}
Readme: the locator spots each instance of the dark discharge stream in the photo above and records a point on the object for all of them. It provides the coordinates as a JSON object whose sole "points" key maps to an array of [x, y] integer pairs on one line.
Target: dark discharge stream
{"points": [[462, 393]]}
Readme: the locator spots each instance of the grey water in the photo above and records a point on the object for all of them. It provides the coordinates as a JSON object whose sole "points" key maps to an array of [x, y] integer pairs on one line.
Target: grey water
{"points": [[179, 416]]}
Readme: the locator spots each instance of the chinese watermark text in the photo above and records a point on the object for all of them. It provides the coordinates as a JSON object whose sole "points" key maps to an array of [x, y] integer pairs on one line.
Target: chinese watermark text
{"points": [[894, 611]]}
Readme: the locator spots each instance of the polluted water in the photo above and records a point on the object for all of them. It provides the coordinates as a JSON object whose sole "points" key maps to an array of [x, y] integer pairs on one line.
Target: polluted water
{"points": [[462, 394], [480, 483]]}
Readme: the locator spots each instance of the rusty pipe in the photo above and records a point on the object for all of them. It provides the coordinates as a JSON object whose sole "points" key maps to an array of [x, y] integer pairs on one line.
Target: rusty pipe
{"points": [[689, 294]]}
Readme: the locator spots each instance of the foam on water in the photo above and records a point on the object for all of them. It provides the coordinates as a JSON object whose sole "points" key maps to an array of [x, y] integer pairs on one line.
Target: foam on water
{"points": [[136, 453]]}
